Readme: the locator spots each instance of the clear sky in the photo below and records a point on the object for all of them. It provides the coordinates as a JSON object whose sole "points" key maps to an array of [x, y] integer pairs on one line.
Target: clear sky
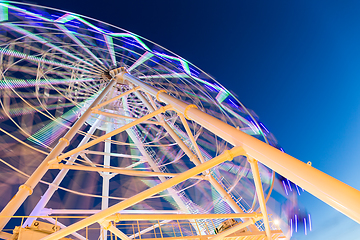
{"points": [[295, 63]]}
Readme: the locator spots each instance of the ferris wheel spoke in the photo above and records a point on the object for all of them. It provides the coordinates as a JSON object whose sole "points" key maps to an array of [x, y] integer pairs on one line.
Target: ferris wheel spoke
{"points": [[43, 41], [110, 46], [54, 64], [78, 42], [146, 56], [17, 54]]}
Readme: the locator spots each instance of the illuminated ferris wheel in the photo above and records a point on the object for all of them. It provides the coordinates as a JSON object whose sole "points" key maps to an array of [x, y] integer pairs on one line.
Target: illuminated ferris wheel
{"points": [[107, 135]]}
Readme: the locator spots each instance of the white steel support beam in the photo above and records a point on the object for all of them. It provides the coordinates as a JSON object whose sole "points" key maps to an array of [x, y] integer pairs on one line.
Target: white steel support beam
{"points": [[114, 98], [195, 159], [53, 187], [113, 154], [106, 180], [182, 145], [146, 56], [147, 217], [150, 161], [260, 194], [27, 188], [109, 114], [5, 235], [335, 193], [79, 43], [57, 158], [120, 171], [49, 211], [226, 156], [191, 136], [176, 138]]}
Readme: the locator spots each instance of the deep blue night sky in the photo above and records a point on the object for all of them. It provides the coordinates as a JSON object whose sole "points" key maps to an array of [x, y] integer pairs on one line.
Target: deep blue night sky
{"points": [[295, 63]]}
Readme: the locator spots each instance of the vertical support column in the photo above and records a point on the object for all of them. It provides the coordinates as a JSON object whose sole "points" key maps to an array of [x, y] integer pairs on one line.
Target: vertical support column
{"points": [[143, 152], [228, 155], [53, 187], [106, 179], [260, 194], [26, 189], [195, 159]]}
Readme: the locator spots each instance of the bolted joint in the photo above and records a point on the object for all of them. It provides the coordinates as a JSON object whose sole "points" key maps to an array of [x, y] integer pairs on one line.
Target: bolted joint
{"points": [[165, 108], [117, 71], [193, 157], [26, 187], [226, 197], [229, 155], [251, 160], [117, 217], [60, 166], [106, 224], [207, 176], [95, 109], [54, 161], [157, 94], [54, 166], [187, 109], [64, 140], [118, 75]]}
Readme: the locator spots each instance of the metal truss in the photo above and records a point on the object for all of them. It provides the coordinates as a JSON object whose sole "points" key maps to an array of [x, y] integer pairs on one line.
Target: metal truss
{"points": [[117, 220]]}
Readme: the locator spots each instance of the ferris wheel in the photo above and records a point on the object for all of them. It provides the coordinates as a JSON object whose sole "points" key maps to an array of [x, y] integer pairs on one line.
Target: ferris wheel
{"points": [[106, 135]]}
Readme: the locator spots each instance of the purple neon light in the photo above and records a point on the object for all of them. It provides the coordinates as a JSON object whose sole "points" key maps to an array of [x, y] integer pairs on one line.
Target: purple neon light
{"points": [[297, 189], [285, 188], [289, 184]]}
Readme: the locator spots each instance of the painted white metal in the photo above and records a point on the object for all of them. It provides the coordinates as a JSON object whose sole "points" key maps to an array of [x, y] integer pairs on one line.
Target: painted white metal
{"points": [[146, 216], [335, 193], [26, 189], [123, 171], [53, 187], [260, 195], [195, 159], [106, 179], [227, 155], [149, 159], [49, 211]]}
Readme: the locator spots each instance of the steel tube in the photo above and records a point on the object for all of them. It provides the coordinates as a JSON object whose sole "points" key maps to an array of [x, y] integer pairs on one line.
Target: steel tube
{"points": [[114, 98], [335, 193], [120, 171], [196, 159], [227, 155], [104, 137], [26, 189], [109, 114], [53, 187], [143, 217], [260, 195]]}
